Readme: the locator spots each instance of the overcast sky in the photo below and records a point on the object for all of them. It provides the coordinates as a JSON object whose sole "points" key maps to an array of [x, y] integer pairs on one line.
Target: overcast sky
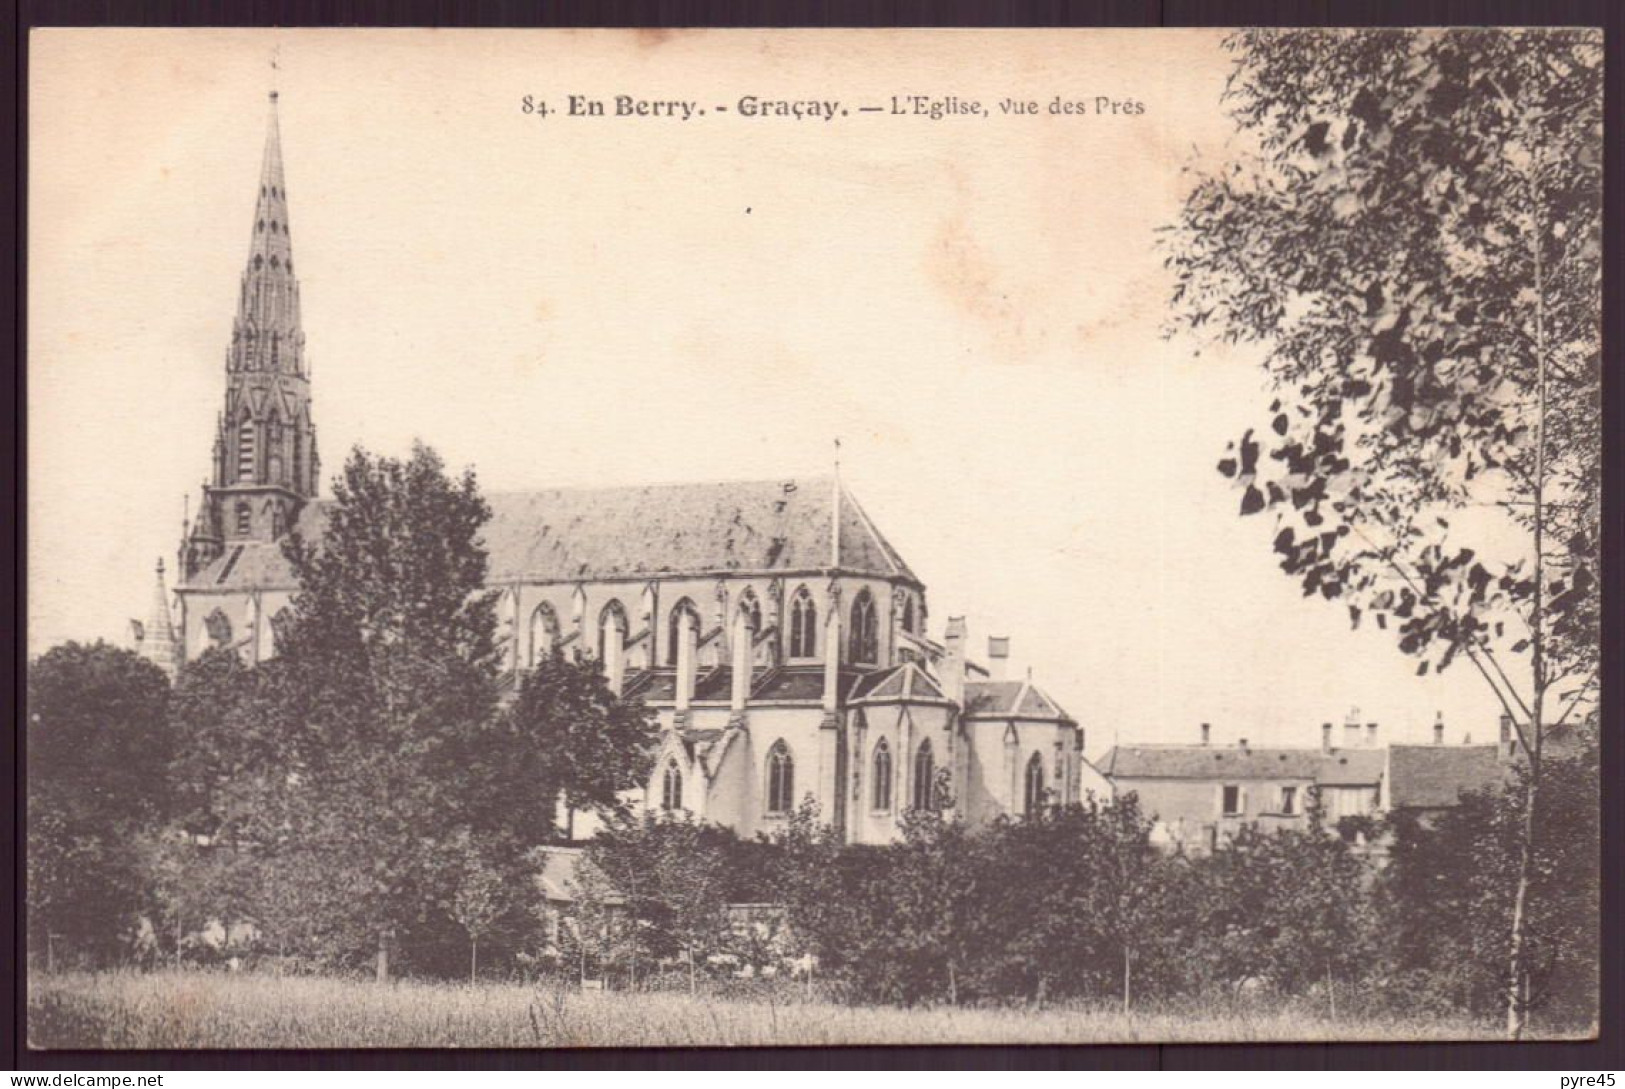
{"points": [[973, 305]]}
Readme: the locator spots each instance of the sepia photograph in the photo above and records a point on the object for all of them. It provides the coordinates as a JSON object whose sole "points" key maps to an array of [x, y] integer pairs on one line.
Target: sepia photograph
{"points": [[774, 538]]}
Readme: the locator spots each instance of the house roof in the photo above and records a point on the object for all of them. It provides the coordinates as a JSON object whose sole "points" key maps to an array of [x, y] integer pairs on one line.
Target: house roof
{"points": [[649, 531], [1348, 767], [1434, 776], [557, 878], [1010, 699]]}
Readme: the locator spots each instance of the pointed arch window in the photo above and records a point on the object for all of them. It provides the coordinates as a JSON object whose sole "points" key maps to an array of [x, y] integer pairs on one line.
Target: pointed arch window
{"points": [[751, 610], [865, 644], [296, 451], [671, 788], [781, 779], [684, 609], [612, 630], [803, 625], [245, 518], [218, 627], [908, 615], [882, 775], [273, 442], [925, 774], [245, 449], [544, 634], [1036, 792]]}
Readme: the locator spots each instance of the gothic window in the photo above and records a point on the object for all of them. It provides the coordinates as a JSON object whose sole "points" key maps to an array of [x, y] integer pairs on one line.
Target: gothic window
{"points": [[611, 626], [803, 625], [781, 779], [751, 610], [1034, 796], [245, 518], [245, 449], [925, 773], [544, 634], [219, 628], [273, 441], [674, 628], [865, 644], [671, 788], [296, 449], [882, 776], [908, 615]]}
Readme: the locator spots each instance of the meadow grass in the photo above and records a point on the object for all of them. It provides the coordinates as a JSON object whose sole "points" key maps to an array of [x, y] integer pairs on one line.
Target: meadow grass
{"points": [[120, 1010]]}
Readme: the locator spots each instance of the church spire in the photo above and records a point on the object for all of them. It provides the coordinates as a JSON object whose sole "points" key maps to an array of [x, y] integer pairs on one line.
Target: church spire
{"points": [[156, 639], [268, 335], [264, 466]]}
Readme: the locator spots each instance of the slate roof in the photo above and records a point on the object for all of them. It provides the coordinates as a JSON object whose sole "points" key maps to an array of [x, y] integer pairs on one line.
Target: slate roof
{"points": [[796, 684], [907, 683], [649, 531], [1352, 767], [1434, 776], [1010, 699]]}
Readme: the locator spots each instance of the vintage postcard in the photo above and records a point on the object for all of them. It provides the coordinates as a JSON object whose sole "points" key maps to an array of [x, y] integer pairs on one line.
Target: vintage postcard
{"points": [[713, 538]]}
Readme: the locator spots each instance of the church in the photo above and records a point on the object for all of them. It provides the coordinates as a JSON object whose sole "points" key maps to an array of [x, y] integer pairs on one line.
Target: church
{"points": [[779, 637]]}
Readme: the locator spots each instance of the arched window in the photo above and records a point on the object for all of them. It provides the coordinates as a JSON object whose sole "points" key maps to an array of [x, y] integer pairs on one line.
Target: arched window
{"points": [[865, 644], [611, 623], [245, 518], [751, 610], [544, 634], [218, 627], [273, 443], [882, 776], [925, 774], [803, 625], [296, 451], [781, 779], [245, 449], [908, 615], [1036, 791], [671, 788], [674, 628], [278, 523]]}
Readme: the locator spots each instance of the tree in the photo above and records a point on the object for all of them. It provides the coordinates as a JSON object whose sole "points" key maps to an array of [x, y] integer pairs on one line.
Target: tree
{"points": [[1415, 242], [382, 701], [482, 895], [578, 737], [98, 744]]}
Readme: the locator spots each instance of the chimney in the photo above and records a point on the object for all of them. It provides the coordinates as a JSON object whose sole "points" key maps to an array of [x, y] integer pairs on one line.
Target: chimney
{"points": [[1207, 733], [1325, 737], [1438, 727], [1351, 729], [1371, 735], [998, 656], [953, 659]]}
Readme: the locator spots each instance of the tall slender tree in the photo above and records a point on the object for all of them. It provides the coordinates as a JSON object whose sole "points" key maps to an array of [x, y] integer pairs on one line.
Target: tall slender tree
{"points": [[1412, 234]]}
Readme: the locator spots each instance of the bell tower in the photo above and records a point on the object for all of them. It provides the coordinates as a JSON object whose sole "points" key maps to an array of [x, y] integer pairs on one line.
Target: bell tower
{"points": [[264, 466]]}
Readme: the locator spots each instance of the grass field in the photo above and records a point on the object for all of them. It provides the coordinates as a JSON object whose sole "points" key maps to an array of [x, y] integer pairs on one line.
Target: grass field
{"points": [[217, 1010]]}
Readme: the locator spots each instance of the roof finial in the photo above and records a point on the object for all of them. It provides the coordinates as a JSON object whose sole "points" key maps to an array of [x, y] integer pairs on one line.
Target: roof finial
{"points": [[835, 513]]}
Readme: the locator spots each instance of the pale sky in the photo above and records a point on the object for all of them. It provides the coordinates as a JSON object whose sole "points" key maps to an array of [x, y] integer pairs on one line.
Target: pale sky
{"points": [[973, 305]]}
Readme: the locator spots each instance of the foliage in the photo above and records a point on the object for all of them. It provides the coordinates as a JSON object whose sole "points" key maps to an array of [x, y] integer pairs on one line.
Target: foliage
{"points": [[576, 738], [1414, 238], [1382, 244], [1446, 897], [98, 748]]}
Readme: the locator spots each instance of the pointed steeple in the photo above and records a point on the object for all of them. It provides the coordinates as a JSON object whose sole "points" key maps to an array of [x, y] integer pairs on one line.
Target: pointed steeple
{"points": [[268, 336], [157, 637], [264, 466]]}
